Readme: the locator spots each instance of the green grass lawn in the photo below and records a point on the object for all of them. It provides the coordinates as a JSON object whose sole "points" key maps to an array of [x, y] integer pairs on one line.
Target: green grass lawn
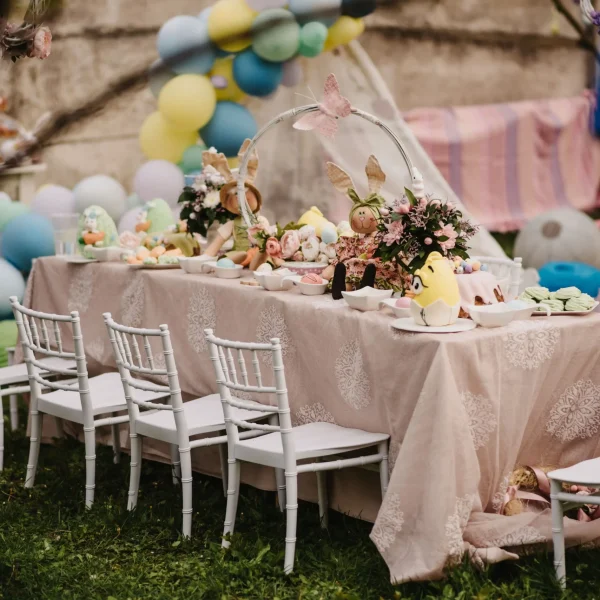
{"points": [[52, 548]]}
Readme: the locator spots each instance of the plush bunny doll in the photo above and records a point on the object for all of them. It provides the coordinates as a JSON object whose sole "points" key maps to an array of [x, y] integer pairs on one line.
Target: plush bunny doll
{"points": [[241, 253]]}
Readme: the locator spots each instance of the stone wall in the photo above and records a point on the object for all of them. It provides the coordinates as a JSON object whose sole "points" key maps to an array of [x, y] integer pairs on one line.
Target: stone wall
{"points": [[431, 52]]}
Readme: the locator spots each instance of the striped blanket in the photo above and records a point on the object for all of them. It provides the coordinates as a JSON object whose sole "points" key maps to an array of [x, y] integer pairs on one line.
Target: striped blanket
{"points": [[511, 162]]}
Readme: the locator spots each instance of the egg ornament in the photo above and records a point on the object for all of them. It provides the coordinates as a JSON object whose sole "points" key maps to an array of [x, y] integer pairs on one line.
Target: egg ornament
{"points": [[96, 229], [437, 298]]}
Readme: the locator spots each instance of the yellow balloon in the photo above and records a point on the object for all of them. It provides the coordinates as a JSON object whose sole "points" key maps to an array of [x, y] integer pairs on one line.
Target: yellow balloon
{"points": [[343, 31], [234, 162], [229, 24], [159, 140], [188, 102], [224, 68]]}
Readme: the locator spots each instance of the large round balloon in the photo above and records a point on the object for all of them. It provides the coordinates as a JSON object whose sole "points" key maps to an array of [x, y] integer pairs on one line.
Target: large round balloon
{"points": [[158, 76], [343, 31], [192, 159], [26, 238], [231, 124], [256, 76], [188, 102], [133, 200], [9, 210], [229, 24], [130, 219], [103, 191], [160, 140], [223, 81], [13, 284], [159, 179], [312, 39], [358, 8], [183, 43], [53, 199], [275, 35], [324, 11]]}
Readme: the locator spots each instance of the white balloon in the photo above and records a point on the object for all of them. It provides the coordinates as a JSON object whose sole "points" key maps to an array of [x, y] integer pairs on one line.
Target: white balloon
{"points": [[129, 219], [159, 179], [52, 200], [4, 197], [103, 191]]}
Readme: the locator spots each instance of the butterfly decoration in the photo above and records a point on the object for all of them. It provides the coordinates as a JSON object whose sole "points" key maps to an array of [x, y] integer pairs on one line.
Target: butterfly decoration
{"points": [[333, 107]]}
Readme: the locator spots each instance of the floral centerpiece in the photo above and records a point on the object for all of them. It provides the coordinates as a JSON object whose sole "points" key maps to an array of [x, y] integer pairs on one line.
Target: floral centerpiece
{"points": [[410, 229]]}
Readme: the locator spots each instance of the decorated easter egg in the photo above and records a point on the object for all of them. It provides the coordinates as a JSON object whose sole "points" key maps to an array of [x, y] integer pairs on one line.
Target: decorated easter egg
{"points": [[225, 263], [313, 279], [264, 268], [96, 228], [156, 217], [403, 302]]}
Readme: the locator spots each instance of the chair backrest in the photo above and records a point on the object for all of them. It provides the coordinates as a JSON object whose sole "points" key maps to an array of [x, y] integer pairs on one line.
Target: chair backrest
{"points": [[230, 381], [33, 327], [130, 361], [508, 271]]}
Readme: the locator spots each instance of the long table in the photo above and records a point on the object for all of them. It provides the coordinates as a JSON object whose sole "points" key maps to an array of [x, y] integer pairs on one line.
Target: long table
{"points": [[462, 409]]}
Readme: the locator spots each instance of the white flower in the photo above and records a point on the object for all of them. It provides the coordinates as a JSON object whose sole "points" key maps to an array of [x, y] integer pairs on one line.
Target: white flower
{"points": [[327, 250], [212, 199], [306, 232], [264, 222], [212, 150], [272, 230], [343, 227], [193, 216], [310, 248]]}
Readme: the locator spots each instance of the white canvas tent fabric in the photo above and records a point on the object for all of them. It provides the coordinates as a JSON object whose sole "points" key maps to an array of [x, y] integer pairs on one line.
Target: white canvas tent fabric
{"points": [[292, 170]]}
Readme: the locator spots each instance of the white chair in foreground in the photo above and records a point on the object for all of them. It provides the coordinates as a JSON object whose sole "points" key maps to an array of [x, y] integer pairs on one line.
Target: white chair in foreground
{"points": [[175, 422], [505, 269], [586, 473], [82, 402], [284, 445]]}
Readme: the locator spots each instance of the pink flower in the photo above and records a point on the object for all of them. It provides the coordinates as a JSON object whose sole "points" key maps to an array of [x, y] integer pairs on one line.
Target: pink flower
{"points": [[42, 43], [423, 203], [402, 207], [273, 248], [262, 225], [394, 231], [290, 243], [428, 241], [298, 257], [447, 231]]}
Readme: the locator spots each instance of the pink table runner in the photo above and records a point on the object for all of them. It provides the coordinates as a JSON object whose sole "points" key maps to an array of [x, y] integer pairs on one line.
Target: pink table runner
{"points": [[462, 409]]}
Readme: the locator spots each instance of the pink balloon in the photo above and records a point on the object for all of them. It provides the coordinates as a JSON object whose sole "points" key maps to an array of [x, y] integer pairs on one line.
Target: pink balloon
{"points": [[266, 4], [159, 179], [129, 220], [292, 73]]}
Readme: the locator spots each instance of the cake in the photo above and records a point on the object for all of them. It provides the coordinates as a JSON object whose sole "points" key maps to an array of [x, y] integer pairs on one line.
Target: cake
{"points": [[478, 288]]}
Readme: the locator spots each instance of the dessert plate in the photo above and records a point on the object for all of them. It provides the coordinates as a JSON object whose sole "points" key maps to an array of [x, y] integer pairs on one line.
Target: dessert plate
{"points": [[408, 324], [568, 313]]}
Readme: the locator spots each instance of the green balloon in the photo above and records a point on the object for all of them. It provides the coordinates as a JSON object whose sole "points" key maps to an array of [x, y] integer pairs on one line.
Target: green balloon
{"points": [[8, 339], [192, 159], [10, 210], [275, 35], [312, 39]]}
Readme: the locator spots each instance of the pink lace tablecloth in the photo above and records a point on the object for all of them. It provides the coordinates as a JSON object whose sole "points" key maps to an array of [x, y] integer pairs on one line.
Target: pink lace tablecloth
{"points": [[462, 409]]}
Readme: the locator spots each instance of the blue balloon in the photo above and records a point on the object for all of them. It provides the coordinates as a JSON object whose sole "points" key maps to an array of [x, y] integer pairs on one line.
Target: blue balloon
{"points": [[185, 34], [323, 11], [25, 238], [13, 284], [231, 124], [255, 76], [556, 275]]}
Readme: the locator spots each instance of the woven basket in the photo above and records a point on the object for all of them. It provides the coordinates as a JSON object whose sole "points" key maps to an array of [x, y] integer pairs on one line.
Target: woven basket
{"points": [[251, 219]]}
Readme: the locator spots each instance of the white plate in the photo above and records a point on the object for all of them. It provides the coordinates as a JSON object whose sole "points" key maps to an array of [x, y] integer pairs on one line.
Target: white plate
{"points": [[156, 267], [408, 324], [78, 260], [568, 313]]}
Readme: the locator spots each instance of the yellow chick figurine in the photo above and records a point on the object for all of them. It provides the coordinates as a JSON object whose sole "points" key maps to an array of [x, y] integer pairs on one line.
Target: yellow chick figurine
{"points": [[437, 298], [315, 218]]}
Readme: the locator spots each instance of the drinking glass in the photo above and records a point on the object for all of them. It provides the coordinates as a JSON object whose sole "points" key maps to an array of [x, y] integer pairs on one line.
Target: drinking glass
{"points": [[65, 233]]}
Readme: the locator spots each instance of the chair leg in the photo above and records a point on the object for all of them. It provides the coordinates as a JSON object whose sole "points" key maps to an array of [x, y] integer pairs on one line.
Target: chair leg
{"points": [[558, 538], [14, 413], [186, 489], [233, 492], [291, 514], [34, 447], [89, 434], [323, 499], [223, 460], [1, 433], [279, 473], [175, 464], [135, 470], [384, 469], [116, 443]]}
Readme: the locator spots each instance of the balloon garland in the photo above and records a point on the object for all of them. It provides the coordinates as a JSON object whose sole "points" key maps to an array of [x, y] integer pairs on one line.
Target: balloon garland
{"points": [[210, 63]]}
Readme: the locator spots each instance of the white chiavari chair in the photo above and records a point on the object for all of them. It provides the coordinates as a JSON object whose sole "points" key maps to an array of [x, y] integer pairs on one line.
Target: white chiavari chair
{"points": [[283, 446], [82, 402], [176, 422]]}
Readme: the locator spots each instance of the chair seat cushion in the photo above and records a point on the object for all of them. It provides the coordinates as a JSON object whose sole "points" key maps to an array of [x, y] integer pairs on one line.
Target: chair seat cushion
{"points": [[203, 415], [18, 373], [585, 473], [311, 440], [107, 396]]}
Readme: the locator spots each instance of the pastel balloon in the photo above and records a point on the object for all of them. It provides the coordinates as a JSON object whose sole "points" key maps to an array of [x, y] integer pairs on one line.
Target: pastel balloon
{"points": [[266, 4], [159, 179], [103, 191], [188, 102], [343, 31], [13, 284], [132, 201], [230, 90], [256, 76], [325, 11], [158, 76], [130, 219], [275, 35], [292, 73], [358, 8], [160, 140], [184, 44], [312, 39], [4, 197], [231, 124], [26, 238], [10, 210], [53, 199], [229, 24], [204, 14], [192, 159]]}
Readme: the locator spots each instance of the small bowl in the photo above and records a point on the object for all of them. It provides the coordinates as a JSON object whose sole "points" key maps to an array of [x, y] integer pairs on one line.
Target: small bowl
{"points": [[304, 268], [524, 311], [108, 254], [366, 299], [492, 315], [195, 264], [274, 282], [309, 289], [399, 313], [229, 272]]}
